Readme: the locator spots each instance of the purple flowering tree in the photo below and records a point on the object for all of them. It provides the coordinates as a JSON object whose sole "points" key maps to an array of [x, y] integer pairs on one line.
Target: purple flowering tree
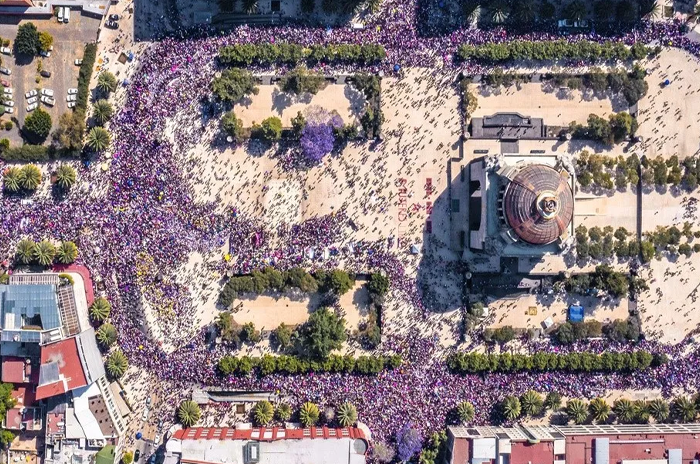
{"points": [[408, 442], [317, 140]]}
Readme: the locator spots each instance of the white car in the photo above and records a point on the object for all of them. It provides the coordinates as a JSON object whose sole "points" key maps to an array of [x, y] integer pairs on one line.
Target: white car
{"points": [[72, 91], [7, 91], [48, 100], [32, 107], [30, 94], [78, 61], [144, 416], [9, 110], [47, 92], [32, 100], [45, 54], [9, 103], [71, 98], [71, 105], [5, 71], [156, 439], [6, 50]]}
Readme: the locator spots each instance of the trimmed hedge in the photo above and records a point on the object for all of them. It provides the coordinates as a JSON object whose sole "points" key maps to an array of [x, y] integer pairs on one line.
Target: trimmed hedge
{"points": [[266, 365], [84, 77], [477, 363], [25, 153], [267, 54], [552, 50]]}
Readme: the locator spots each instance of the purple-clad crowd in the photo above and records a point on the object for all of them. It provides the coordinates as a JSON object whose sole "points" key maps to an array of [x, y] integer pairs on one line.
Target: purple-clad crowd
{"points": [[149, 210]]}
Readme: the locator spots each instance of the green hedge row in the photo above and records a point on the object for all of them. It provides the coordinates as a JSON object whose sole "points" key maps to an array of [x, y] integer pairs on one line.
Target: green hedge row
{"points": [[25, 153], [84, 77], [266, 365], [552, 50], [268, 54], [476, 363]]}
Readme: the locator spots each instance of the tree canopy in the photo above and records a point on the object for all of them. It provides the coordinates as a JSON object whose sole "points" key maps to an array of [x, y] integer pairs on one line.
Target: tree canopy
{"points": [[38, 124], [234, 84], [322, 333], [27, 40]]}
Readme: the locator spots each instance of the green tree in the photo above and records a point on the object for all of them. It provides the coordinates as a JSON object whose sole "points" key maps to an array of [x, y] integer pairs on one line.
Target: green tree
{"points": [[378, 284], [283, 412], [621, 126], [599, 409], [347, 414], [65, 176], [103, 111], [67, 252], [465, 412], [308, 414], [684, 409], [659, 410], [30, 177], [552, 400], [234, 84], [128, 457], [117, 364], [12, 179], [226, 328], [232, 126], [106, 335], [301, 80], [45, 41], [322, 333], [6, 437], [283, 336], [98, 139], [298, 124], [531, 403], [100, 309], [624, 410], [27, 40], [249, 333], [577, 411], [510, 408], [263, 412], [70, 132], [38, 124], [575, 10], [270, 129], [26, 250], [337, 281], [44, 253], [188, 413], [107, 82]]}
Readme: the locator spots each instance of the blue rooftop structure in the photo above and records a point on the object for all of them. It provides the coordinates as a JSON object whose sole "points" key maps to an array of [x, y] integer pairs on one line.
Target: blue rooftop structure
{"points": [[576, 313], [28, 310]]}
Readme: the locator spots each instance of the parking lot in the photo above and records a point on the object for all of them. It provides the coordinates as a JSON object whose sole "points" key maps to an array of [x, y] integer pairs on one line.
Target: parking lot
{"points": [[69, 43]]}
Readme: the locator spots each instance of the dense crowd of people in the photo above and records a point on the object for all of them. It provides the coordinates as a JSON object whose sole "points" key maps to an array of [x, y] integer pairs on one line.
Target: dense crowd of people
{"points": [[148, 212]]}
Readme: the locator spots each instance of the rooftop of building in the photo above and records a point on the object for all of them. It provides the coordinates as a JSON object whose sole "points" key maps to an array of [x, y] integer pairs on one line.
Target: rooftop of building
{"points": [[29, 307], [61, 369]]}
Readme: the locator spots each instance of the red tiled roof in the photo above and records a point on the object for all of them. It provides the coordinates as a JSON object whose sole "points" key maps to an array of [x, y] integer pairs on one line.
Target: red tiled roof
{"points": [[23, 395], [13, 369], [525, 453], [26, 3], [13, 419], [65, 354], [266, 433], [52, 421]]}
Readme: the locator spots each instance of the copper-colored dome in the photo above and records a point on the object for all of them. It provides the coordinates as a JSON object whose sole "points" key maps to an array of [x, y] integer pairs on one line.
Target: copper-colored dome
{"points": [[538, 204]]}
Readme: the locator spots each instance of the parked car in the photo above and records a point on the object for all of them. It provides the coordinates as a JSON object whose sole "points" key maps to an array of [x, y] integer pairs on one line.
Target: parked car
{"points": [[5, 71], [148, 398], [60, 14], [31, 101], [32, 107], [7, 90], [45, 54], [48, 100], [156, 440], [144, 416], [30, 94], [78, 61], [6, 50], [9, 103], [71, 98], [4, 83], [112, 24], [71, 105], [137, 455], [73, 91], [47, 92], [66, 14], [114, 17], [9, 110], [45, 73]]}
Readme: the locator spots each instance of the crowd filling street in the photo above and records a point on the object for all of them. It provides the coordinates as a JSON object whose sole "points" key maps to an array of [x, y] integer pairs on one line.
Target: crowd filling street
{"points": [[143, 214]]}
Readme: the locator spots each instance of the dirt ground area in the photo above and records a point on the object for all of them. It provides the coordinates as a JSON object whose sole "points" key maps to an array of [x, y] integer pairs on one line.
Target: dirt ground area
{"points": [[530, 99], [271, 101]]}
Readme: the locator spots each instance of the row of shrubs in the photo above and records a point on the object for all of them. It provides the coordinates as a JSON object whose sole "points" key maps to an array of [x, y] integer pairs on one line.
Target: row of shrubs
{"points": [[84, 76], [266, 365], [23, 152], [270, 279], [477, 363], [553, 50], [285, 53], [631, 85], [617, 128]]}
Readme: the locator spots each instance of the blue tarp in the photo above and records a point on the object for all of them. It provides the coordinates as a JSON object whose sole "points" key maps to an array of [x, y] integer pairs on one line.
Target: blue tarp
{"points": [[576, 313]]}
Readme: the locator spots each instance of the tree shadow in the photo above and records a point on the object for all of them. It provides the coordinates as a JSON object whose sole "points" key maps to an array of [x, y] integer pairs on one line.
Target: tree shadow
{"points": [[356, 99], [281, 100]]}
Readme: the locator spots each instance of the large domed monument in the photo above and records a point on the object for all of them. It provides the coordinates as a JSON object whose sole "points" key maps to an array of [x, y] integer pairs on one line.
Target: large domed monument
{"points": [[521, 206]]}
